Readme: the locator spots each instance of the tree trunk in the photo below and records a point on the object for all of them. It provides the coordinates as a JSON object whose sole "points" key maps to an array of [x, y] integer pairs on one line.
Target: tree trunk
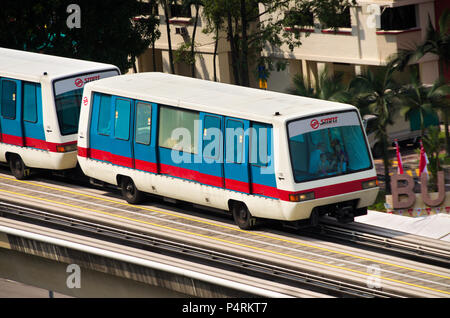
{"points": [[234, 53], [216, 44], [166, 13], [193, 41], [244, 46]]}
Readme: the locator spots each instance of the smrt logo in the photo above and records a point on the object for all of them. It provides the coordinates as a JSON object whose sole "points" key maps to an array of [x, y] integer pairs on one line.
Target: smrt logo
{"points": [[314, 124], [329, 120], [85, 100], [79, 82]]}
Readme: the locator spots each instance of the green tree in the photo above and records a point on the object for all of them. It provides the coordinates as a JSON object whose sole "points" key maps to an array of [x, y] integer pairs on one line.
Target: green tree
{"points": [[107, 33], [378, 94], [253, 25], [425, 100], [327, 87], [437, 42]]}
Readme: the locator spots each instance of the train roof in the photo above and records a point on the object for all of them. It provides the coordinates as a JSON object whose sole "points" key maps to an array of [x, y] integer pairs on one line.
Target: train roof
{"points": [[214, 97], [31, 66]]}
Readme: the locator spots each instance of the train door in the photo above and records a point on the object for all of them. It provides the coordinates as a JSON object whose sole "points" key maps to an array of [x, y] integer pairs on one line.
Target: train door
{"points": [[144, 144], [236, 166], [11, 112], [33, 126], [261, 160], [122, 143], [100, 130], [211, 169]]}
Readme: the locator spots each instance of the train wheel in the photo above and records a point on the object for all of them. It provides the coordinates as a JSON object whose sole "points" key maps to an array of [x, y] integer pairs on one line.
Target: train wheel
{"points": [[18, 168], [243, 218], [130, 193]]}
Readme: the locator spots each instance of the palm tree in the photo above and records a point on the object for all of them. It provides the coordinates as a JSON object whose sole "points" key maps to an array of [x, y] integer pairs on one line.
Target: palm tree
{"points": [[327, 87], [423, 99], [378, 93], [436, 42]]}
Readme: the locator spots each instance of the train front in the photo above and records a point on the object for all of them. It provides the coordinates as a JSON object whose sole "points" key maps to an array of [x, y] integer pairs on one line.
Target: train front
{"points": [[333, 172]]}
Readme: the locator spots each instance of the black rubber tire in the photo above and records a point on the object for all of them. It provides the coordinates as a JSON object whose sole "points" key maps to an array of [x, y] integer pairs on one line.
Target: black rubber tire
{"points": [[243, 218], [18, 168], [314, 218], [130, 193]]}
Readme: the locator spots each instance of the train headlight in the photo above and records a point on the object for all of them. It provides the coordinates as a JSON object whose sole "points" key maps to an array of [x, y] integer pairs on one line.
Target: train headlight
{"points": [[370, 184], [66, 148], [301, 197]]}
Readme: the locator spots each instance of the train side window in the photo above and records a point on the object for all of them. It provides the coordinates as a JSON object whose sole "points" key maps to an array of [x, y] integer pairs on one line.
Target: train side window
{"points": [[259, 155], [210, 132], [177, 129], [30, 102], [9, 93], [143, 122], [104, 115], [234, 141], [122, 119]]}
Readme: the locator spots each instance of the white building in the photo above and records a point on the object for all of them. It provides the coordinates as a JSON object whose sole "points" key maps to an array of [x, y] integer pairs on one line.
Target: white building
{"points": [[376, 30]]}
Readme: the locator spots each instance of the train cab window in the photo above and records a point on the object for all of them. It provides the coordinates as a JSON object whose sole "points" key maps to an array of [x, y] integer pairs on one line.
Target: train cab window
{"points": [[143, 122], [177, 129], [234, 146], [259, 155], [327, 145], [104, 115], [122, 119], [9, 93], [30, 102]]}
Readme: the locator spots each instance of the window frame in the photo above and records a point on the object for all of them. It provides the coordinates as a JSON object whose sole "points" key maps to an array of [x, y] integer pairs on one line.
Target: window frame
{"points": [[109, 113], [15, 101], [130, 101], [327, 176], [136, 122]]}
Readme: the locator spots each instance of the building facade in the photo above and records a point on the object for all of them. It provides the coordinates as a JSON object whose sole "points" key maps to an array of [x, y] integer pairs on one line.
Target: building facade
{"points": [[375, 31]]}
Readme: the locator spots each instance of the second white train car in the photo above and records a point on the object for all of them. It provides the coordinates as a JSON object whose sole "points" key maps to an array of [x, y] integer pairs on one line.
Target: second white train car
{"points": [[40, 98], [256, 153]]}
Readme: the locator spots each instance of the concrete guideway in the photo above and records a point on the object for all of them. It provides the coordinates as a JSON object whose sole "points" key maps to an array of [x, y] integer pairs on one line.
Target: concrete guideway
{"points": [[349, 264], [176, 270]]}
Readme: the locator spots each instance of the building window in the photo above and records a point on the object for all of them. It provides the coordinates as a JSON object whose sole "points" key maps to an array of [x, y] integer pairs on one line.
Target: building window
{"points": [[178, 10], [344, 20], [399, 18]]}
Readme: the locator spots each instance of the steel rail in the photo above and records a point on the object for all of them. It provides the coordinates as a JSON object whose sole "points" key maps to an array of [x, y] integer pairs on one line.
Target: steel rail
{"points": [[264, 270], [370, 235]]}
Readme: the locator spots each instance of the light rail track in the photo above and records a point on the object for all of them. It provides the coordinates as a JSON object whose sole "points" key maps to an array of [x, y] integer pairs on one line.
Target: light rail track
{"points": [[205, 256], [315, 257], [419, 248]]}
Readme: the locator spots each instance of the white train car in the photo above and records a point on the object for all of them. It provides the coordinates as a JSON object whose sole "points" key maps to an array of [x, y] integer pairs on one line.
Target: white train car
{"points": [[40, 98], [257, 153]]}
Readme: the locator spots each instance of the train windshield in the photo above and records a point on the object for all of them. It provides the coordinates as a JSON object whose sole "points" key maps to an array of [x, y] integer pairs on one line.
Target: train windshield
{"points": [[326, 146], [68, 94]]}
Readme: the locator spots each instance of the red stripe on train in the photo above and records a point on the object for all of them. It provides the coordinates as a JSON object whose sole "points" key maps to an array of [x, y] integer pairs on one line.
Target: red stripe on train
{"points": [[33, 142], [230, 184]]}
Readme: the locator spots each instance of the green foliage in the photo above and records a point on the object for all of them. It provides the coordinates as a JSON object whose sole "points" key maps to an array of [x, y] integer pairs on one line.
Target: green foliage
{"points": [[107, 34], [254, 25], [327, 87]]}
